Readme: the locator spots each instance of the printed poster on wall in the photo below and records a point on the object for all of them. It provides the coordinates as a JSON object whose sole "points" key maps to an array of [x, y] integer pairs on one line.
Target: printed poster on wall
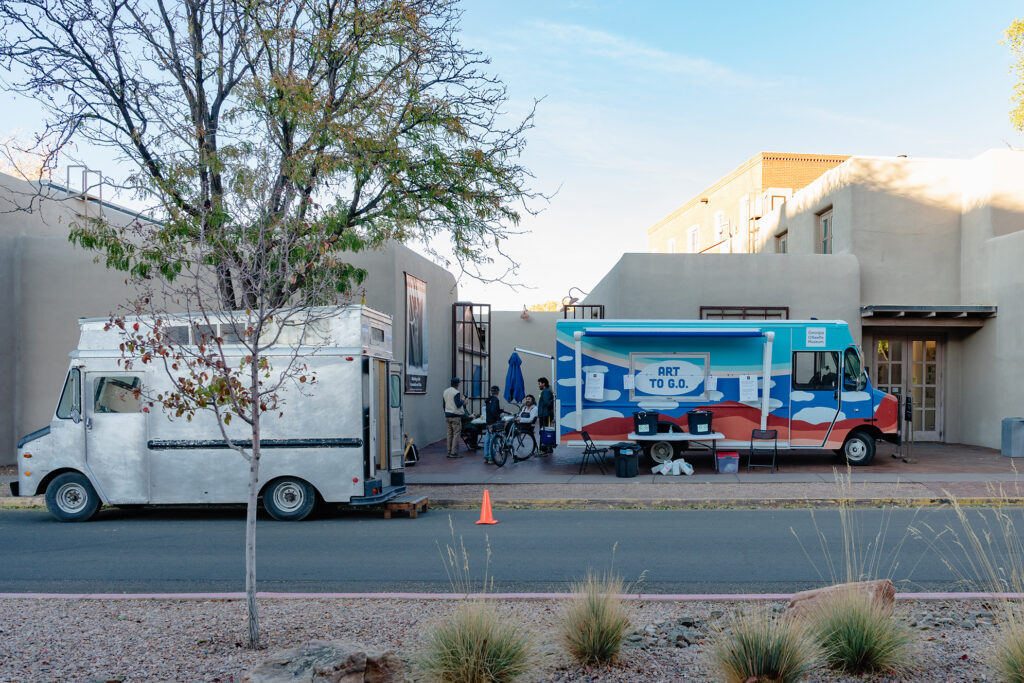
{"points": [[415, 335]]}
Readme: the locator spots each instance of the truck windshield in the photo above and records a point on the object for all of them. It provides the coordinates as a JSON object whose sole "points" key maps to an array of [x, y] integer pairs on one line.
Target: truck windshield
{"points": [[70, 397], [854, 378]]}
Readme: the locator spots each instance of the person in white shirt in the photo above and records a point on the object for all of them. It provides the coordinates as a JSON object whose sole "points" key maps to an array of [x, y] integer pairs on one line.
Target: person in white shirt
{"points": [[454, 407]]}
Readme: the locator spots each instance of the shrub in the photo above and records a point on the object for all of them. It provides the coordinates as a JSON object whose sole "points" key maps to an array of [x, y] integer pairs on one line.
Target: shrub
{"points": [[857, 636], [594, 622], [476, 646], [759, 648], [1007, 657]]}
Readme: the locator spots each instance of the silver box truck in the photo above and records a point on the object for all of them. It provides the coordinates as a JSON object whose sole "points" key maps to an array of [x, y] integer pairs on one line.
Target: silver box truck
{"points": [[339, 441]]}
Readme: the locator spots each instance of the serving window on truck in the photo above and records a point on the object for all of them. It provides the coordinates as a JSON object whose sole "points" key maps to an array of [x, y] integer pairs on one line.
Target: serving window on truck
{"points": [[680, 376]]}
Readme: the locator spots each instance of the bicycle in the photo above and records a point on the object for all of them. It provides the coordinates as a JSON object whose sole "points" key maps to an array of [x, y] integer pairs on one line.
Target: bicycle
{"points": [[511, 439]]}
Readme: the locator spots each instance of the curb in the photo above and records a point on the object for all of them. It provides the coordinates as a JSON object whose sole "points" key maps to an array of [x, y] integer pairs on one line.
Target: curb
{"points": [[35, 502], [652, 597], [723, 503]]}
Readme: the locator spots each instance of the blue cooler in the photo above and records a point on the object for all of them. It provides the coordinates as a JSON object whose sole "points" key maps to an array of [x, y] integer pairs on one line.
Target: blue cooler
{"points": [[547, 436]]}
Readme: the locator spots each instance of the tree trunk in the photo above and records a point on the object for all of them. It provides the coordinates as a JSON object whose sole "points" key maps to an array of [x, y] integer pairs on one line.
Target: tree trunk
{"points": [[250, 545], [250, 517]]}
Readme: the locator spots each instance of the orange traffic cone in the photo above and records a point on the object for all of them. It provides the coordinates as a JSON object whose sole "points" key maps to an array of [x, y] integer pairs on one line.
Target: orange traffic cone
{"points": [[485, 510]]}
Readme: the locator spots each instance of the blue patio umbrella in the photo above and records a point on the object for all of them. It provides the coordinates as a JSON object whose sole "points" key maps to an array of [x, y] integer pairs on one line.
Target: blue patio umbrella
{"points": [[515, 387]]}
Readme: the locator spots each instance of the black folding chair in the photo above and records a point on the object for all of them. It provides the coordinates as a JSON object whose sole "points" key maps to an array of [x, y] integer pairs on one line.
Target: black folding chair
{"points": [[759, 445], [592, 452]]}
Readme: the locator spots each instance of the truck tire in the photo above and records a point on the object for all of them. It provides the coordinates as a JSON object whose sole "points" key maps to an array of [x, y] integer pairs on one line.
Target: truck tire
{"points": [[289, 499], [662, 451], [71, 498], [859, 448]]}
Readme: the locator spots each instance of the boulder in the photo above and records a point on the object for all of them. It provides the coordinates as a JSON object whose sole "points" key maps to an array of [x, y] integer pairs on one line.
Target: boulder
{"points": [[322, 661], [881, 593]]}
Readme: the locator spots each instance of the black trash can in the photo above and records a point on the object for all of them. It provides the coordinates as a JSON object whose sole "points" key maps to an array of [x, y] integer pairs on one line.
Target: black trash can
{"points": [[645, 422], [699, 421], [627, 457]]}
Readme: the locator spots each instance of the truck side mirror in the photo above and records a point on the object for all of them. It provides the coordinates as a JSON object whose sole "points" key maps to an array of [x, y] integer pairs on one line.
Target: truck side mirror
{"points": [[76, 415]]}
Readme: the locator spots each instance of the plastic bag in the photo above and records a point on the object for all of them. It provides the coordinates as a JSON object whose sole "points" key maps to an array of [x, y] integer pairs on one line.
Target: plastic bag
{"points": [[682, 467], [662, 468]]}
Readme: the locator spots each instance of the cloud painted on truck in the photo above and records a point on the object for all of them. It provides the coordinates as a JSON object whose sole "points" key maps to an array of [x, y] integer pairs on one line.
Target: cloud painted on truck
{"points": [[818, 415]]}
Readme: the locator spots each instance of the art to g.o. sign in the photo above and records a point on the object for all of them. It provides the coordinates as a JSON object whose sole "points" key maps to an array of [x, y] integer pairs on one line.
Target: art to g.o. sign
{"points": [[670, 374]]}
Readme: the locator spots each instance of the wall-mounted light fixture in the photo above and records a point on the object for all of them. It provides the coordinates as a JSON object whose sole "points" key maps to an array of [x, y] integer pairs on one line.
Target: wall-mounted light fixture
{"points": [[703, 200], [525, 315], [569, 299]]}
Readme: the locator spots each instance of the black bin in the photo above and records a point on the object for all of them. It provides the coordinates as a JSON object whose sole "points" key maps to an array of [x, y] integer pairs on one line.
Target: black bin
{"points": [[645, 422], [627, 459], [699, 421]]}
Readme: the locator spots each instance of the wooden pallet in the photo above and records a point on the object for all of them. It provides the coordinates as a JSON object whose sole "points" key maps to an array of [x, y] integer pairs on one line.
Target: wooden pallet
{"points": [[411, 503]]}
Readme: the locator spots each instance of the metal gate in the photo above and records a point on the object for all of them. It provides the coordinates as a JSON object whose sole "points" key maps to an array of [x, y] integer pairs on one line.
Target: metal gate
{"points": [[471, 350]]}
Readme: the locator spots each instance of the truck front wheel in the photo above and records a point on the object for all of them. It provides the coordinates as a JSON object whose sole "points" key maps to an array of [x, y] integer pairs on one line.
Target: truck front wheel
{"points": [[71, 498], [289, 500], [859, 448]]}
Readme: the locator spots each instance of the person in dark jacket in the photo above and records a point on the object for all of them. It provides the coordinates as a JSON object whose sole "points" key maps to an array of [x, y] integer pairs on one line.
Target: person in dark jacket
{"points": [[492, 415], [545, 407]]}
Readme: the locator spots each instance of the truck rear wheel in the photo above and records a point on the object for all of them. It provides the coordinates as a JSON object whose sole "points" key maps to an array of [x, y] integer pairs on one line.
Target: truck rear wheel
{"points": [[662, 451], [288, 499], [71, 498], [859, 448]]}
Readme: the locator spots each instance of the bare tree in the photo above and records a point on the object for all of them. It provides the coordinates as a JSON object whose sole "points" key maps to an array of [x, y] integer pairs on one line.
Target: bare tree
{"points": [[384, 127], [270, 137]]}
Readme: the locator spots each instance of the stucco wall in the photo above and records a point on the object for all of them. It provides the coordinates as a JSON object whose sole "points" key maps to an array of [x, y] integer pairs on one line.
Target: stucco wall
{"points": [[676, 286]]}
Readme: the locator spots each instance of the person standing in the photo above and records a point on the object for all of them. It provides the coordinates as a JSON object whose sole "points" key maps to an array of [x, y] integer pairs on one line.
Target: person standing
{"points": [[492, 415], [454, 408], [545, 408]]}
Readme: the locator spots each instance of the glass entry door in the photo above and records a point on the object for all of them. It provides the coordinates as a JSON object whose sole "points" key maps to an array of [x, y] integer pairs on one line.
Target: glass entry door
{"points": [[914, 365]]}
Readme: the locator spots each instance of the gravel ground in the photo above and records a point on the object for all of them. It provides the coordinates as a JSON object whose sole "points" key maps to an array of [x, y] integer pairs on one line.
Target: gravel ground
{"points": [[201, 640]]}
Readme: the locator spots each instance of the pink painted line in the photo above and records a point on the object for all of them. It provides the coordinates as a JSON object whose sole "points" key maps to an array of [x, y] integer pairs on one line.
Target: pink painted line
{"points": [[653, 597]]}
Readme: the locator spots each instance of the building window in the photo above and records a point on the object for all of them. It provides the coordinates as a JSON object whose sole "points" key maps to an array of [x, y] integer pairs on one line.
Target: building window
{"points": [[693, 239], [672, 245], [720, 225], [744, 313], [777, 201], [782, 242], [825, 232]]}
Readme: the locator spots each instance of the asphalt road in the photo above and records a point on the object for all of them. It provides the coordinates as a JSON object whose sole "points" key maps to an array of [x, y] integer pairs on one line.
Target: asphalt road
{"points": [[690, 551]]}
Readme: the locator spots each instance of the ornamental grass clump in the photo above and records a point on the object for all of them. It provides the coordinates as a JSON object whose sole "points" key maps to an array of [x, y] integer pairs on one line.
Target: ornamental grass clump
{"points": [[594, 621], [756, 648], [858, 636], [1007, 655], [476, 645]]}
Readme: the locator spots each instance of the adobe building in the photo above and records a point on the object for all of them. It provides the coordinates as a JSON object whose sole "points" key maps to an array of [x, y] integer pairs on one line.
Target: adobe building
{"points": [[921, 256]]}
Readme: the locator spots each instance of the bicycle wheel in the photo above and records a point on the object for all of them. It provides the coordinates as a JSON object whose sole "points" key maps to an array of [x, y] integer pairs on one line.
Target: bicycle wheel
{"points": [[523, 446], [499, 450]]}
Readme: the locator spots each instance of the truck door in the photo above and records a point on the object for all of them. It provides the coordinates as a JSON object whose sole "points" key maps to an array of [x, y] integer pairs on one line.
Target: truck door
{"points": [[396, 416], [115, 436], [815, 397]]}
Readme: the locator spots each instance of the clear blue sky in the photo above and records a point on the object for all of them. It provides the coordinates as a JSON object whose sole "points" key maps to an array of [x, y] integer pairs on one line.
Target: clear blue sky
{"points": [[645, 103]]}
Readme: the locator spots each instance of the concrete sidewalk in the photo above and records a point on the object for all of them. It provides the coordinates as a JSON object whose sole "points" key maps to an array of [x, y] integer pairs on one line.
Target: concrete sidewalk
{"points": [[939, 472]]}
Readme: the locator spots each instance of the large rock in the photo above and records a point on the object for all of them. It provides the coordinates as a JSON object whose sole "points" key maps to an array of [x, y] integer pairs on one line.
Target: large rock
{"points": [[881, 593], [322, 661]]}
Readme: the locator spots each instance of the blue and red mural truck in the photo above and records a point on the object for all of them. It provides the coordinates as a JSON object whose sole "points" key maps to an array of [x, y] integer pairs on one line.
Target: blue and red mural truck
{"points": [[817, 394]]}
